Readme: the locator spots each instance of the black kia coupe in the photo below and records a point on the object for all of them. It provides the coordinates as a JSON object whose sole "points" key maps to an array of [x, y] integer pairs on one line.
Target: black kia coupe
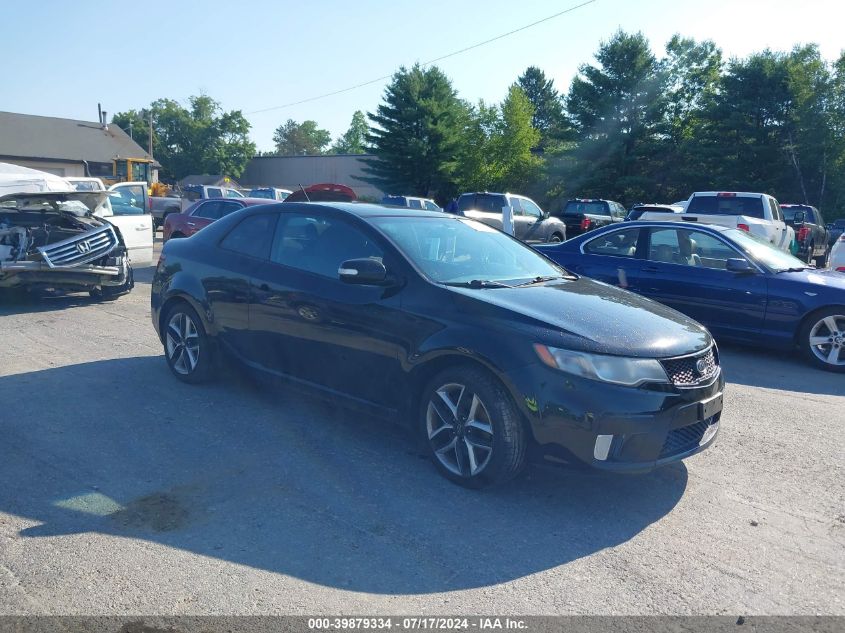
{"points": [[492, 352]]}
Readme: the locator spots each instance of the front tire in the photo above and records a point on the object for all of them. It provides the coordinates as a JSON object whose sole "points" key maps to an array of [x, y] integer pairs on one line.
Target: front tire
{"points": [[109, 293], [822, 339], [472, 430], [188, 349], [555, 238]]}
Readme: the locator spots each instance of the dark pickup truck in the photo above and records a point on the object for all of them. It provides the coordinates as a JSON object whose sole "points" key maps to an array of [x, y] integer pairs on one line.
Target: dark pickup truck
{"points": [[811, 233], [581, 215]]}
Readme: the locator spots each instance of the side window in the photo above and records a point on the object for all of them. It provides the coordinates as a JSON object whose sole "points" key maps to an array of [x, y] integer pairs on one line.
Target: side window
{"points": [[518, 206], [689, 248], [210, 210], [319, 245], [252, 236], [229, 207], [214, 192], [531, 209], [128, 200], [414, 203], [466, 202], [616, 243], [620, 210], [777, 214], [431, 206]]}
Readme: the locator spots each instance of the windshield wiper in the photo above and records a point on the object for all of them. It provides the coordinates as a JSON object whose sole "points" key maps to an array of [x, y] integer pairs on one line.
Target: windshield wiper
{"points": [[477, 283], [796, 269], [539, 280]]}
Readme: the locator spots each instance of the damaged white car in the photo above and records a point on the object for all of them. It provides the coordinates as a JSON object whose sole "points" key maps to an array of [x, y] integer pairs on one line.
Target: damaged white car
{"points": [[51, 239]]}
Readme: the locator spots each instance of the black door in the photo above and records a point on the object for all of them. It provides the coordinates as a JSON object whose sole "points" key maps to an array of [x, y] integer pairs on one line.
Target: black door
{"points": [[242, 252], [310, 326]]}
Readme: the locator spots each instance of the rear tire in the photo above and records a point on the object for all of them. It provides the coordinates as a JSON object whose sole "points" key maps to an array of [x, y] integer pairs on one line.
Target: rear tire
{"points": [[187, 348], [471, 428], [555, 238]]}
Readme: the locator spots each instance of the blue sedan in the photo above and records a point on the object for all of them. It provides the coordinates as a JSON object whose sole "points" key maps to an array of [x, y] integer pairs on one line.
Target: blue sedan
{"points": [[740, 287]]}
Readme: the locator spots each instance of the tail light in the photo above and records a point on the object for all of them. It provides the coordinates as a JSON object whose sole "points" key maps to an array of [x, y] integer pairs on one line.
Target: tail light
{"points": [[842, 238], [803, 232], [743, 227], [841, 269], [585, 224], [726, 194]]}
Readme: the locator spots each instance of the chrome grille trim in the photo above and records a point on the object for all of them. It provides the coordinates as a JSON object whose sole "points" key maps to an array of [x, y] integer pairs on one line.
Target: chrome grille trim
{"points": [[683, 371], [95, 244]]}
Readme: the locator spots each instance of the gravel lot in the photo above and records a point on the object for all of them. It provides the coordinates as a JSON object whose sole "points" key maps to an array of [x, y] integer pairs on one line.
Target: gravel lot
{"points": [[125, 491]]}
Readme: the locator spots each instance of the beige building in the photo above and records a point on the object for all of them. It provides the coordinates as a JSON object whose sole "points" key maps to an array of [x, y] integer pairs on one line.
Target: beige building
{"points": [[64, 147]]}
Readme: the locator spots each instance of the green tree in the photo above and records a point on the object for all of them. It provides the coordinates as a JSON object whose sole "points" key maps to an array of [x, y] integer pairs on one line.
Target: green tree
{"points": [[354, 140], [298, 139], [548, 116], [201, 139], [515, 166], [416, 134], [615, 107]]}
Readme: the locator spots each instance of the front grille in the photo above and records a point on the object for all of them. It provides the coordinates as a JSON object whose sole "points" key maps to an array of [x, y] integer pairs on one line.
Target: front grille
{"points": [[80, 249], [686, 438], [689, 371]]}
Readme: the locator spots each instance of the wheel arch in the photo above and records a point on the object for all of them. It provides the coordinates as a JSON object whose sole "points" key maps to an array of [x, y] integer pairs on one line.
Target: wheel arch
{"points": [[178, 297], [423, 372]]}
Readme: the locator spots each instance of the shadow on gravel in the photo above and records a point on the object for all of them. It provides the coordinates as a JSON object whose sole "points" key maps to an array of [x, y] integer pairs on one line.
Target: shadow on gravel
{"points": [[19, 301], [784, 370], [273, 479]]}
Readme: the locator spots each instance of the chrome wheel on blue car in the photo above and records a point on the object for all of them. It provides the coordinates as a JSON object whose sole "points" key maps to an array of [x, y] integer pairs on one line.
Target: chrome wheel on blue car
{"points": [[824, 339]]}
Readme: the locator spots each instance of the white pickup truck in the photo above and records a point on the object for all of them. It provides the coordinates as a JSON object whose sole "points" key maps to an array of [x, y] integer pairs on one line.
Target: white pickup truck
{"points": [[127, 209], [757, 213]]}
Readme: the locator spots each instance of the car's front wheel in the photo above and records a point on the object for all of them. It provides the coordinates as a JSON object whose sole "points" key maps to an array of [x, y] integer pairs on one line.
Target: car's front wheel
{"points": [[187, 347], [823, 339], [555, 238], [472, 429]]}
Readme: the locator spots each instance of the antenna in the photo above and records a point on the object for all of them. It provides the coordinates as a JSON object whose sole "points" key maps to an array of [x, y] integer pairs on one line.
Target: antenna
{"points": [[305, 193]]}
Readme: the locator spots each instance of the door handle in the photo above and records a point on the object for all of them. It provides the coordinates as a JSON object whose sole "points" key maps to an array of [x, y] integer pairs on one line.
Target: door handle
{"points": [[142, 228], [651, 269], [192, 223]]}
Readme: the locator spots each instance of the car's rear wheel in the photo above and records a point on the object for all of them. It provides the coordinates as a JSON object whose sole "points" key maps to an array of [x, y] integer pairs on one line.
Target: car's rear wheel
{"points": [[472, 429], [189, 351], [555, 238], [823, 339]]}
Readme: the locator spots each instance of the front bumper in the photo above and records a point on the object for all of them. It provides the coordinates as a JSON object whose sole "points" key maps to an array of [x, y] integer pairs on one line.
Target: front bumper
{"points": [[616, 428], [26, 273]]}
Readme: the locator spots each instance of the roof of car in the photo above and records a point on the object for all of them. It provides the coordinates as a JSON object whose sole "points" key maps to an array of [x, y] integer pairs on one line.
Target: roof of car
{"points": [[735, 193], [672, 225]]}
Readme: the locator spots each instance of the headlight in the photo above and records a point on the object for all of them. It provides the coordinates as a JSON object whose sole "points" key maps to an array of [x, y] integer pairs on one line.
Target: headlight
{"points": [[619, 370]]}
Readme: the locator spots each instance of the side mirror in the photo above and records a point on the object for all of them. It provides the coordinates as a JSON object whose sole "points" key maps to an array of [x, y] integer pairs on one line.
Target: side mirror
{"points": [[739, 265], [364, 271], [799, 217]]}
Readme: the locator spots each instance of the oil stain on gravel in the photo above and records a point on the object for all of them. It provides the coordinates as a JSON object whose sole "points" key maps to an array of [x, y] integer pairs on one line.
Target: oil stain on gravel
{"points": [[156, 512]]}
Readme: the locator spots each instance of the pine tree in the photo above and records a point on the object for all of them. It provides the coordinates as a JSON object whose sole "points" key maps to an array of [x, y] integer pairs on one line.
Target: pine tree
{"points": [[416, 134]]}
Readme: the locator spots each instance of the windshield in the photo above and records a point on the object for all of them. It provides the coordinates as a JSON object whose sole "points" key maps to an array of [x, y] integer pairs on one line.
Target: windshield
{"points": [[261, 193], [455, 250], [727, 205], [763, 252], [579, 208]]}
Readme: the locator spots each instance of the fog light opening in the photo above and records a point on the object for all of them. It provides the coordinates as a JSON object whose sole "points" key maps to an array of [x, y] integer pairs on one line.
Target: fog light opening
{"points": [[602, 447]]}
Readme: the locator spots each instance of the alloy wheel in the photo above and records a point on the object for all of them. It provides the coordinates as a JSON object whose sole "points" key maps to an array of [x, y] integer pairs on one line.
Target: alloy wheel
{"points": [[183, 343], [459, 429], [827, 340]]}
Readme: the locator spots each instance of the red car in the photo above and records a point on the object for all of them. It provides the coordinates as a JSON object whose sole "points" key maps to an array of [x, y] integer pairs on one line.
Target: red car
{"points": [[203, 213]]}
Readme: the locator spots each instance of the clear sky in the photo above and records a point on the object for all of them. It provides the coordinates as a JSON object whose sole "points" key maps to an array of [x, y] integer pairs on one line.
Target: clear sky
{"points": [[62, 58]]}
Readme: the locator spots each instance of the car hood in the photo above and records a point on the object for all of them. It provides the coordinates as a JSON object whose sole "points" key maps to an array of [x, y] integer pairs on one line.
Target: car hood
{"points": [[79, 203], [595, 317], [825, 278]]}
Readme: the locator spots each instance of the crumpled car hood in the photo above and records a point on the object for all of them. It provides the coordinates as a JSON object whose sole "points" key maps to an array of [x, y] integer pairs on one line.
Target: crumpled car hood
{"points": [[79, 203]]}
